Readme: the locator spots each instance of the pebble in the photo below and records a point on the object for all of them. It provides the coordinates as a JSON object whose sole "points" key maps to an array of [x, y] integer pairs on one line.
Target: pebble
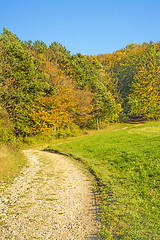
{"points": [[51, 199]]}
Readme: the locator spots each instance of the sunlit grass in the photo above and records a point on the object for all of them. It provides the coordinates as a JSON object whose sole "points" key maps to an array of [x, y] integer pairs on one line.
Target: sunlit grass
{"points": [[11, 162], [127, 164]]}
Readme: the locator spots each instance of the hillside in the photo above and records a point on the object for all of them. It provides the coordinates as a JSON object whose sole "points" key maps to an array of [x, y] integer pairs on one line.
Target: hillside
{"points": [[44, 89]]}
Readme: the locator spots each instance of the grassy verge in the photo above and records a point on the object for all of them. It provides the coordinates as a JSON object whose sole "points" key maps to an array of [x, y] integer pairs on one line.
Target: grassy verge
{"points": [[127, 163], [11, 162]]}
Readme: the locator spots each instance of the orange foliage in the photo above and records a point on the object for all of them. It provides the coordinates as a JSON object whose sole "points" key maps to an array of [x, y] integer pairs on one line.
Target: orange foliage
{"points": [[67, 106]]}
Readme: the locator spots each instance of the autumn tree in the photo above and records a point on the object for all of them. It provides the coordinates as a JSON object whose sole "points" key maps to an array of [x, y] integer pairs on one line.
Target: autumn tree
{"points": [[67, 107], [145, 96], [123, 65]]}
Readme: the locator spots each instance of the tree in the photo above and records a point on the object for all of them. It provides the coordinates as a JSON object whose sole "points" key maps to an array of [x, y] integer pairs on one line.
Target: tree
{"points": [[145, 96], [88, 77], [22, 80], [123, 65], [58, 54], [67, 107]]}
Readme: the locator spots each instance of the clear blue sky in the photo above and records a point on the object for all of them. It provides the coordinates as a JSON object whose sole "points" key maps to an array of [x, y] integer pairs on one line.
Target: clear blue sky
{"points": [[89, 27]]}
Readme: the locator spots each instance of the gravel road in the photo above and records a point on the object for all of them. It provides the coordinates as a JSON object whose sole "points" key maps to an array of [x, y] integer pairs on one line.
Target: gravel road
{"points": [[53, 198]]}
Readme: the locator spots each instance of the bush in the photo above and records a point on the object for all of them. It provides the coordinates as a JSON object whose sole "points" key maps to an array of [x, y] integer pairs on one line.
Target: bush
{"points": [[70, 131], [6, 128]]}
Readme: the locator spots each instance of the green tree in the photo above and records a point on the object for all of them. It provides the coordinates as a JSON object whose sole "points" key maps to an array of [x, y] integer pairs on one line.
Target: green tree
{"points": [[22, 80], [37, 46], [88, 77], [58, 54]]}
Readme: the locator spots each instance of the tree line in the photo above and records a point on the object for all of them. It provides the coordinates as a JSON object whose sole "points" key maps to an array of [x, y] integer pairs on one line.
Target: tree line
{"points": [[45, 88], [135, 74]]}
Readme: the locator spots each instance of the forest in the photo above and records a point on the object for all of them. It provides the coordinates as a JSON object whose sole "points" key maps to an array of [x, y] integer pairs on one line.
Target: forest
{"points": [[44, 89]]}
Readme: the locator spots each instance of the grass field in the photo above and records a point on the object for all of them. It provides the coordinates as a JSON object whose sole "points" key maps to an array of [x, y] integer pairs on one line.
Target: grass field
{"points": [[126, 162]]}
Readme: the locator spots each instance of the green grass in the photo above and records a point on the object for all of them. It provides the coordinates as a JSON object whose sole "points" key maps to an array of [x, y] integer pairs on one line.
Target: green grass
{"points": [[126, 163]]}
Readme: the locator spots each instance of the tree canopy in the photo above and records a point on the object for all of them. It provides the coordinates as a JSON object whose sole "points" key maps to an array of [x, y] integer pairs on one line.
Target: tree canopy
{"points": [[45, 88], [136, 70]]}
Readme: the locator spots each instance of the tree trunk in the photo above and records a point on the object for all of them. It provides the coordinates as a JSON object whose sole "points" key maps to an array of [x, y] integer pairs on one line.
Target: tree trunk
{"points": [[97, 123]]}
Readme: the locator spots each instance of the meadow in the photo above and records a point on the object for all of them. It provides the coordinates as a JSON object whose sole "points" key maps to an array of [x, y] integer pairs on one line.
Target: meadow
{"points": [[125, 160]]}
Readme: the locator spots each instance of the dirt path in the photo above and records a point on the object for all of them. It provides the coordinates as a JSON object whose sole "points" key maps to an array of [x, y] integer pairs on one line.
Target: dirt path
{"points": [[52, 199]]}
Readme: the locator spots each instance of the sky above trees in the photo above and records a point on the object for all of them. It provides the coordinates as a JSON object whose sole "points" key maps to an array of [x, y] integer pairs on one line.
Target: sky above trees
{"points": [[87, 26]]}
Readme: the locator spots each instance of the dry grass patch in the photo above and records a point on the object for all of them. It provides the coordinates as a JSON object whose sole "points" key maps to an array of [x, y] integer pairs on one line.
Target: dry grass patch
{"points": [[11, 162]]}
